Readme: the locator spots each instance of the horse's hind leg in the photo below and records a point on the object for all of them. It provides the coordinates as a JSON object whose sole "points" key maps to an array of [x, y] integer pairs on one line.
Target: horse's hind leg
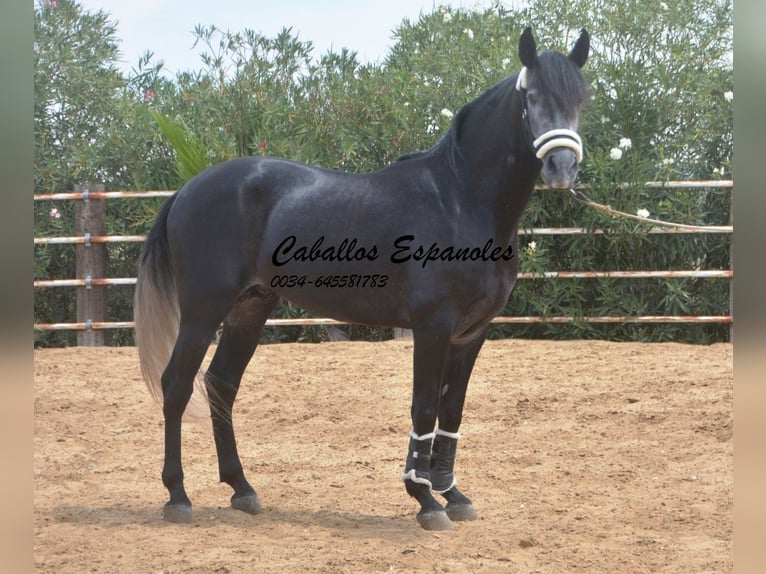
{"points": [[241, 331], [177, 387], [460, 363]]}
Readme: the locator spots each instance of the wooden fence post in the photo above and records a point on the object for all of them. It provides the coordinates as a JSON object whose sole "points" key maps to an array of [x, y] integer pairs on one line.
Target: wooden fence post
{"points": [[90, 263]]}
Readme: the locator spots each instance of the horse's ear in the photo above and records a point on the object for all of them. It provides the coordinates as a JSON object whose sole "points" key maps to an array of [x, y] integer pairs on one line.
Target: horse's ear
{"points": [[527, 48], [579, 53]]}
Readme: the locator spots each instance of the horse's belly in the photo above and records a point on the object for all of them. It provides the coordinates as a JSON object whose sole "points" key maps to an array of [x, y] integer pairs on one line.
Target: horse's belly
{"points": [[354, 298]]}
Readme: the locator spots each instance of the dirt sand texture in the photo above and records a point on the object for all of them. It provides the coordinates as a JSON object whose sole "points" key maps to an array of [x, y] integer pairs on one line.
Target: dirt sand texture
{"points": [[580, 456]]}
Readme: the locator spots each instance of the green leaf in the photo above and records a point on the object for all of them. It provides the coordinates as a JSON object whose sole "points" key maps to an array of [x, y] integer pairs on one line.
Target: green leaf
{"points": [[191, 154]]}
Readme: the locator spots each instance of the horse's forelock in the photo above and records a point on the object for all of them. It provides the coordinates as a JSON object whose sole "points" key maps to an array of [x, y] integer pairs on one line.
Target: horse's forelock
{"points": [[558, 75]]}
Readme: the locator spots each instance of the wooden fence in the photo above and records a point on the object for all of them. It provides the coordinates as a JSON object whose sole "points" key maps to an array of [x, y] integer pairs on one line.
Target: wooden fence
{"points": [[91, 264]]}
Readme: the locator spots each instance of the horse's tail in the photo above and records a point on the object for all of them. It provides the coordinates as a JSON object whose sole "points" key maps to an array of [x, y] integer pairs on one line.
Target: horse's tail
{"points": [[157, 315]]}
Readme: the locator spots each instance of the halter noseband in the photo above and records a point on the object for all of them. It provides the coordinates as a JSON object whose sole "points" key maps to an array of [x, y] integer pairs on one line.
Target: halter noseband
{"points": [[551, 139]]}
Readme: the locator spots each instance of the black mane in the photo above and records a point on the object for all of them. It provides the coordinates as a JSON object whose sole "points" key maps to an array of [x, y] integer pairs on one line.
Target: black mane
{"points": [[452, 135]]}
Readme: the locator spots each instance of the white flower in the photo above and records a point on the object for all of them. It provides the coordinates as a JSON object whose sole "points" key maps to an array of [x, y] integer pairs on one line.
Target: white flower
{"points": [[447, 113], [643, 213], [505, 62], [668, 161], [663, 6], [447, 17], [625, 143], [532, 245], [604, 119], [728, 96], [469, 33], [615, 153], [432, 129]]}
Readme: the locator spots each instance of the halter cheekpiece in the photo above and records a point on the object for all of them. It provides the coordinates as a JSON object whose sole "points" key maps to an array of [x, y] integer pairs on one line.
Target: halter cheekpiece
{"points": [[551, 139]]}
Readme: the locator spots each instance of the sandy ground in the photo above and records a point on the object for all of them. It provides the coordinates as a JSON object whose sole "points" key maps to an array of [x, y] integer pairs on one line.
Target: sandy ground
{"points": [[579, 456]]}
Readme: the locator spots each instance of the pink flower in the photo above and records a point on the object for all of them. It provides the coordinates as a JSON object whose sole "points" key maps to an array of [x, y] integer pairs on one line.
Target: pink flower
{"points": [[54, 212], [149, 95], [263, 145], [53, 3]]}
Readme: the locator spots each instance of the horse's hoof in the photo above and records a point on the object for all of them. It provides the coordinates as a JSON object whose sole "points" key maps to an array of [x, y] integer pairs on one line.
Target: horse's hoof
{"points": [[435, 520], [179, 513], [461, 512], [247, 503]]}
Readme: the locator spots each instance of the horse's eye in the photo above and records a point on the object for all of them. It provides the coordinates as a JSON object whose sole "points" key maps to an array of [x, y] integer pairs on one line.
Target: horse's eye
{"points": [[533, 97]]}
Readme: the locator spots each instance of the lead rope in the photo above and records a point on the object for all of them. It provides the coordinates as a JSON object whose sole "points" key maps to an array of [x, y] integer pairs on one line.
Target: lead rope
{"points": [[585, 200]]}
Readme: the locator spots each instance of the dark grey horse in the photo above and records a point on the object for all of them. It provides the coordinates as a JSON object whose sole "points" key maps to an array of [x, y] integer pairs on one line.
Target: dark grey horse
{"points": [[427, 243]]}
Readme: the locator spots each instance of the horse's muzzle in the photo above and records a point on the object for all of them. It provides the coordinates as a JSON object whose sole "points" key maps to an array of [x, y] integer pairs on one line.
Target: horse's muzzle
{"points": [[560, 168]]}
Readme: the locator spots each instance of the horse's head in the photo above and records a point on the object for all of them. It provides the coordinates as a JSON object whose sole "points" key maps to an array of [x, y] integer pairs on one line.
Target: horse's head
{"points": [[553, 91]]}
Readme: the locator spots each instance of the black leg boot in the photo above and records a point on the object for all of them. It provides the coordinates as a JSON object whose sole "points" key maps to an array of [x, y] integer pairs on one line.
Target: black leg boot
{"points": [[459, 506]]}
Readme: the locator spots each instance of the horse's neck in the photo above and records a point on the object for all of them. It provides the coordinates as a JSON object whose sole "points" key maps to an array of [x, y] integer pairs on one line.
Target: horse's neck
{"points": [[499, 168]]}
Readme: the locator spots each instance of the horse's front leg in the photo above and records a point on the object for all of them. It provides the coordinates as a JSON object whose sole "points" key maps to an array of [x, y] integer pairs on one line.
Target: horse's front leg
{"points": [[460, 362], [429, 360]]}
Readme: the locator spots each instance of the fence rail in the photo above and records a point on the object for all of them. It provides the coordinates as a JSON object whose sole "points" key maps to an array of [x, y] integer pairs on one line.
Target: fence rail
{"points": [[91, 322], [90, 325], [86, 193]]}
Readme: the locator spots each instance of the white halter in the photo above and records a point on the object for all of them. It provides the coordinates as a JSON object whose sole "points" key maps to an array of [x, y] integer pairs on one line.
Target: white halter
{"points": [[554, 138]]}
